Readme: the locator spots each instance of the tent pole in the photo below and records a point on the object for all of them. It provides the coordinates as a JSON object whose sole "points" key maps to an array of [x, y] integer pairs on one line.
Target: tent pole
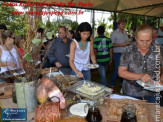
{"points": [[114, 23], [76, 15], [159, 22], [145, 19], [93, 22], [115, 17]]}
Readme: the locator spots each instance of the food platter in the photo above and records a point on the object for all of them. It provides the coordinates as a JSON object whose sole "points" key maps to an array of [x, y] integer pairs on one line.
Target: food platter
{"points": [[89, 89], [53, 74], [151, 87], [12, 73], [62, 81], [48, 70], [92, 66]]}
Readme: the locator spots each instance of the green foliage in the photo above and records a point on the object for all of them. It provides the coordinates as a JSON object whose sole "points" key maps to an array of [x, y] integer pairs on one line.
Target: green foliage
{"points": [[74, 25], [68, 24], [28, 57], [104, 23], [16, 23], [133, 21], [53, 26]]}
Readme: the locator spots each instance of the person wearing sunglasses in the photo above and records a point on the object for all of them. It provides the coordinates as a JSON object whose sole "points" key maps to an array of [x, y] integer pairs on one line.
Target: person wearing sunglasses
{"points": [[9, 56], [2, 29]]}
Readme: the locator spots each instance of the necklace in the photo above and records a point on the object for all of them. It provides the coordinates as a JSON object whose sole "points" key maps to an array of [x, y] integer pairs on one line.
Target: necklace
{"points": [[83, 46]]}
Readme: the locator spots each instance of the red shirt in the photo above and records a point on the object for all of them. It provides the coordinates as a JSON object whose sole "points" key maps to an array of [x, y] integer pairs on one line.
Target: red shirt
{"points": [[21, 52]]}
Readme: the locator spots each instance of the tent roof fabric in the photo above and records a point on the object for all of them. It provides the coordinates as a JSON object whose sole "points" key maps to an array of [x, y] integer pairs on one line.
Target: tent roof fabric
{"points": [[141, 7]]}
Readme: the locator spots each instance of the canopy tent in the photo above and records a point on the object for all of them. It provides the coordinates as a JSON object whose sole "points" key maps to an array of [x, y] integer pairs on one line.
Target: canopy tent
{"points": [[140, 7]]}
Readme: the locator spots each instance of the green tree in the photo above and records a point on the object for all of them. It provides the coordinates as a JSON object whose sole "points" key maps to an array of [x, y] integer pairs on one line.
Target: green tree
{"points": [[13, 22], [68, 23], [103, 22], [133, 21]]}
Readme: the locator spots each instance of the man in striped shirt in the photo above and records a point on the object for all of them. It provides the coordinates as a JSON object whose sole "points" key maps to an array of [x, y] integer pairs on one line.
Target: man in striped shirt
{"points": [[104, 53]]}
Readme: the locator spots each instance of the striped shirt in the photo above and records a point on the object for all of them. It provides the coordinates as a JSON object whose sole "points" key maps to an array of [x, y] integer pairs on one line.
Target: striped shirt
{"points": [[103, 45]]}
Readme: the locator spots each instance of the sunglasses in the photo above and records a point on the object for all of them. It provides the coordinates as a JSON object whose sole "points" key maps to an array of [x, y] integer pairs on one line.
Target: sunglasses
{"points": [[13, 38]]}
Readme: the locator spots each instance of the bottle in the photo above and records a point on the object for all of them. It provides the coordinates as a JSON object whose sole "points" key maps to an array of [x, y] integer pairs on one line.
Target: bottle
{"points": [[14, 96], [94, 114], [128, 114]]}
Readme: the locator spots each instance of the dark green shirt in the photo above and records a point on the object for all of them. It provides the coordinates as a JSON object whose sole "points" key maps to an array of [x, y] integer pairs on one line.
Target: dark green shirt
{"points": [[103, 45]]}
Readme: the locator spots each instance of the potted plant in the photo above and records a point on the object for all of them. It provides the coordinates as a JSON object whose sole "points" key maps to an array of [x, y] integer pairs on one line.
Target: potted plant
{"points": [[25, 84]]}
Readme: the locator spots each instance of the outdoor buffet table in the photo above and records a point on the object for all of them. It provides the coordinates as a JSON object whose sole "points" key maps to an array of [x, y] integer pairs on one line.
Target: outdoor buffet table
{"points": [[7, 103]]}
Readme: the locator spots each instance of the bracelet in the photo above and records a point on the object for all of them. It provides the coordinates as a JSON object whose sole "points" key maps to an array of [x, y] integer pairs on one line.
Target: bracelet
{"points": [[77, 74]]}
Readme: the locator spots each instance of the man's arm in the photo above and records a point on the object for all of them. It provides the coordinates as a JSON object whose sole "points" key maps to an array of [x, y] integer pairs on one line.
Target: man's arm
{"points": [[111, 55], [120, 45], [51, 54], [95, 48], [113, 39]]}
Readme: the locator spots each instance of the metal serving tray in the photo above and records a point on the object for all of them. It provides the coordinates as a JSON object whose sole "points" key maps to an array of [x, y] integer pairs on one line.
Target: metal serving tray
{"points": [[101, 92], [12, 73]]}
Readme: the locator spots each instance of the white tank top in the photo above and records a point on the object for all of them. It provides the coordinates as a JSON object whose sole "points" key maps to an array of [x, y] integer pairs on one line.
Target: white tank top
{"points": [[7, 57], [81, 58]]}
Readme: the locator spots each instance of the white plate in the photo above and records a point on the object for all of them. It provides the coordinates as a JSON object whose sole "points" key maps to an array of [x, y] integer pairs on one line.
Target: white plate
{"points": [[92, 66], [150, 87], [156, 89], [116, 96], [80, 109]]}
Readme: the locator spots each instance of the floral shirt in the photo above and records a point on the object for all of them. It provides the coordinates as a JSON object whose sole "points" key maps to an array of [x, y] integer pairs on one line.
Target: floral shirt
{"points": [[137, 63]]}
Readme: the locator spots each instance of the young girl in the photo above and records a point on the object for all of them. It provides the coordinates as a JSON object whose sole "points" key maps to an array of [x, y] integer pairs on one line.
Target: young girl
{"points": [[81, 50], [20, 40]]}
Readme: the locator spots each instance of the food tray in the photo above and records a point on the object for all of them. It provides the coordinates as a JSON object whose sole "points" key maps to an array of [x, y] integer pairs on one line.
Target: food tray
{"points": [[57, 77], [12, 73], [102, 91], [47, 70], [114, 106]]}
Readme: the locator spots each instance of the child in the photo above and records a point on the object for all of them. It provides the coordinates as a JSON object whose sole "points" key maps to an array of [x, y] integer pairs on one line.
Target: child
{"points": [[20, 40]]}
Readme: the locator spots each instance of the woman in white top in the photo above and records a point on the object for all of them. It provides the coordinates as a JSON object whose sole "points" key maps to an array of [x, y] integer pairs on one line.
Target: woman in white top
{"points": [[9, 56], [81, 50]]}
